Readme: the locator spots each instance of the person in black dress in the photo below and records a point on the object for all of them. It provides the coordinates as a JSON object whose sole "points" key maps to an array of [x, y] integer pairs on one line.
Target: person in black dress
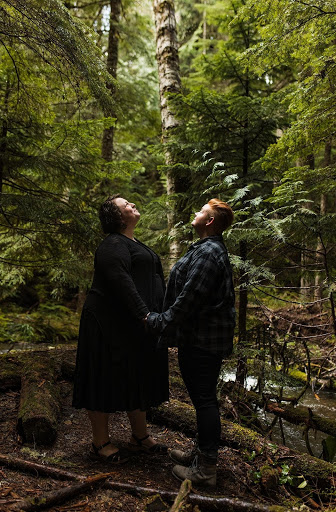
{"points": [[118, 365]]}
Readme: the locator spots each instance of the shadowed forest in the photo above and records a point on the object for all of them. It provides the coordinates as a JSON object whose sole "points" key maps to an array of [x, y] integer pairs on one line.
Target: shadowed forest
{"points": [[170, 103]]}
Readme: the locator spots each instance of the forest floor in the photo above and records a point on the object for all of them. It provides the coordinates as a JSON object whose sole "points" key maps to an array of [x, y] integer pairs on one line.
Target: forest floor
{"points": [[236, 470], [70, 452]]}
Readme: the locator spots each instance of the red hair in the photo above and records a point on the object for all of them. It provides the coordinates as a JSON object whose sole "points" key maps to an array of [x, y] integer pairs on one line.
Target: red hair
{"points": [[223, 214]]}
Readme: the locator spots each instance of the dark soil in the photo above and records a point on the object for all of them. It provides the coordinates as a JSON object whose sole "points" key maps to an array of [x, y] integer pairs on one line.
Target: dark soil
{"points": [[236, 470]]}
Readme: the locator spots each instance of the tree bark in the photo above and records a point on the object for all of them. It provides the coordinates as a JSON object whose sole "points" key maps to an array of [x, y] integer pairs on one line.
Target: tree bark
{"points": [[170, 82], [307, 257], [180, 416], [243, 276], [112, 65], [4, 131], [39, 402]]}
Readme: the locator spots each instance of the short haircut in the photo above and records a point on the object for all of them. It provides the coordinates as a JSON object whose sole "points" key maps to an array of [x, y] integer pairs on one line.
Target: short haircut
{"points": [[223, 214], [110, 216]]}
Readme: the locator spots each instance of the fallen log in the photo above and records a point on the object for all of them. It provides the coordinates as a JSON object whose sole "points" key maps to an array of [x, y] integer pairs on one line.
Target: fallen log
{"points": [[298, 415], [40, 407], [181, 416], [12, 364], [10, 372], [59, 496], [210, 503]]}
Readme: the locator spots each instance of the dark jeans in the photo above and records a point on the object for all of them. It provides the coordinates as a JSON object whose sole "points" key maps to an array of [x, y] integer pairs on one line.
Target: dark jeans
{"points": [[200, 371]]}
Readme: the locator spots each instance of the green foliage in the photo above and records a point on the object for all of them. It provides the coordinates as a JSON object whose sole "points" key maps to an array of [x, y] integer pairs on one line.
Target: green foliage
{"points": [[57, 38], [285, 476], [50, 323]]}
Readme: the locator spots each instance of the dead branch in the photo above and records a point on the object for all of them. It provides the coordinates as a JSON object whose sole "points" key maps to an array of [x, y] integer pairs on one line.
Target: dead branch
{"points": [[218, 503], [182, 497], [59, 496], [37, 469]]}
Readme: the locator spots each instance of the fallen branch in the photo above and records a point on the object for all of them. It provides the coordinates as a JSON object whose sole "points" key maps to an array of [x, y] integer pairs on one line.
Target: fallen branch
{"points": [[182, 497], [298, 415], [218, 503], [59, 496], [37, 469]]}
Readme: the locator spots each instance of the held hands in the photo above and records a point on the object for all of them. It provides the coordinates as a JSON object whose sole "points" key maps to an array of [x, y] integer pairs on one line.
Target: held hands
{"points": [[144, 321]]}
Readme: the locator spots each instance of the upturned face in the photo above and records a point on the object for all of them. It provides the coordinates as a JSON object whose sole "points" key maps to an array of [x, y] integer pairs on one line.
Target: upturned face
{"points": [[202, 218], [129, 213]]}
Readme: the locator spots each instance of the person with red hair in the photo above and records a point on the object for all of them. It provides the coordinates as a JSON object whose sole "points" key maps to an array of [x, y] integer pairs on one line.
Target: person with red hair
{"points": [[199, 318]]}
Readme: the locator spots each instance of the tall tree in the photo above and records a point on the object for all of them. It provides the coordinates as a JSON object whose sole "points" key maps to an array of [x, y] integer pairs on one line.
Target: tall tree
{"points": [[112, 64], [229, 119], [170, 84], [304, 33], [49, 152]]}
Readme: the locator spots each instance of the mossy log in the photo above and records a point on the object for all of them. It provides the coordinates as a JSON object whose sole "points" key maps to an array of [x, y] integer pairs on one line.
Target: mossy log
{"points": [[12, 364], [39, 401], [180, 416], [10, 372], [298, 415], [327, 382]]}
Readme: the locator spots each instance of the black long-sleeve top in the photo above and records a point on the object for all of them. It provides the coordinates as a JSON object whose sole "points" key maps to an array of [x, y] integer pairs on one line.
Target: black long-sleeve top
{"points": [[128, 282]]}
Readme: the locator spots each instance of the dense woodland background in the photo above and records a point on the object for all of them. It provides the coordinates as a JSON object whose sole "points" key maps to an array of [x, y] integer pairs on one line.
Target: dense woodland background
{"points": [[170, 105]]}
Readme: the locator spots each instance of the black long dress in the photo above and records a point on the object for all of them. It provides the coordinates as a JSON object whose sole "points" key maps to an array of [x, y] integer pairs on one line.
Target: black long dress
{"points": [[118, 366]]}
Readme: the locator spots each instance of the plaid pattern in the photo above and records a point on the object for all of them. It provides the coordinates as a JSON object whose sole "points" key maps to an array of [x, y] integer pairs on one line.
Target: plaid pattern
{"points": [[199, 302]]}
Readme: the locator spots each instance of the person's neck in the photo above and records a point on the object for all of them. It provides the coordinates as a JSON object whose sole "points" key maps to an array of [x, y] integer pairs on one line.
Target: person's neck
{"points": [[206, 233], [129, 232]]}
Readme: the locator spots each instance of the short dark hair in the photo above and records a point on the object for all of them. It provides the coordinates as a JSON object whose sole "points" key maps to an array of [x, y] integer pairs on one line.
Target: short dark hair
{"points": [[223, 214], [110, 216]]}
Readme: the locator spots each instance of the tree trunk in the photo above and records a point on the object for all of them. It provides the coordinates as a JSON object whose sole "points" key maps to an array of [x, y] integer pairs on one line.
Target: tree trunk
{"points": [[170, 82], [243, 277], [4, 131], [307, 281], [112, 64], [180, 416], [323, 211]]}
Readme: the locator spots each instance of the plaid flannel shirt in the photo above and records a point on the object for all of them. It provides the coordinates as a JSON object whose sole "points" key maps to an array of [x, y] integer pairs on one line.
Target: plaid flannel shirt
{"points": [[199, 302]]}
